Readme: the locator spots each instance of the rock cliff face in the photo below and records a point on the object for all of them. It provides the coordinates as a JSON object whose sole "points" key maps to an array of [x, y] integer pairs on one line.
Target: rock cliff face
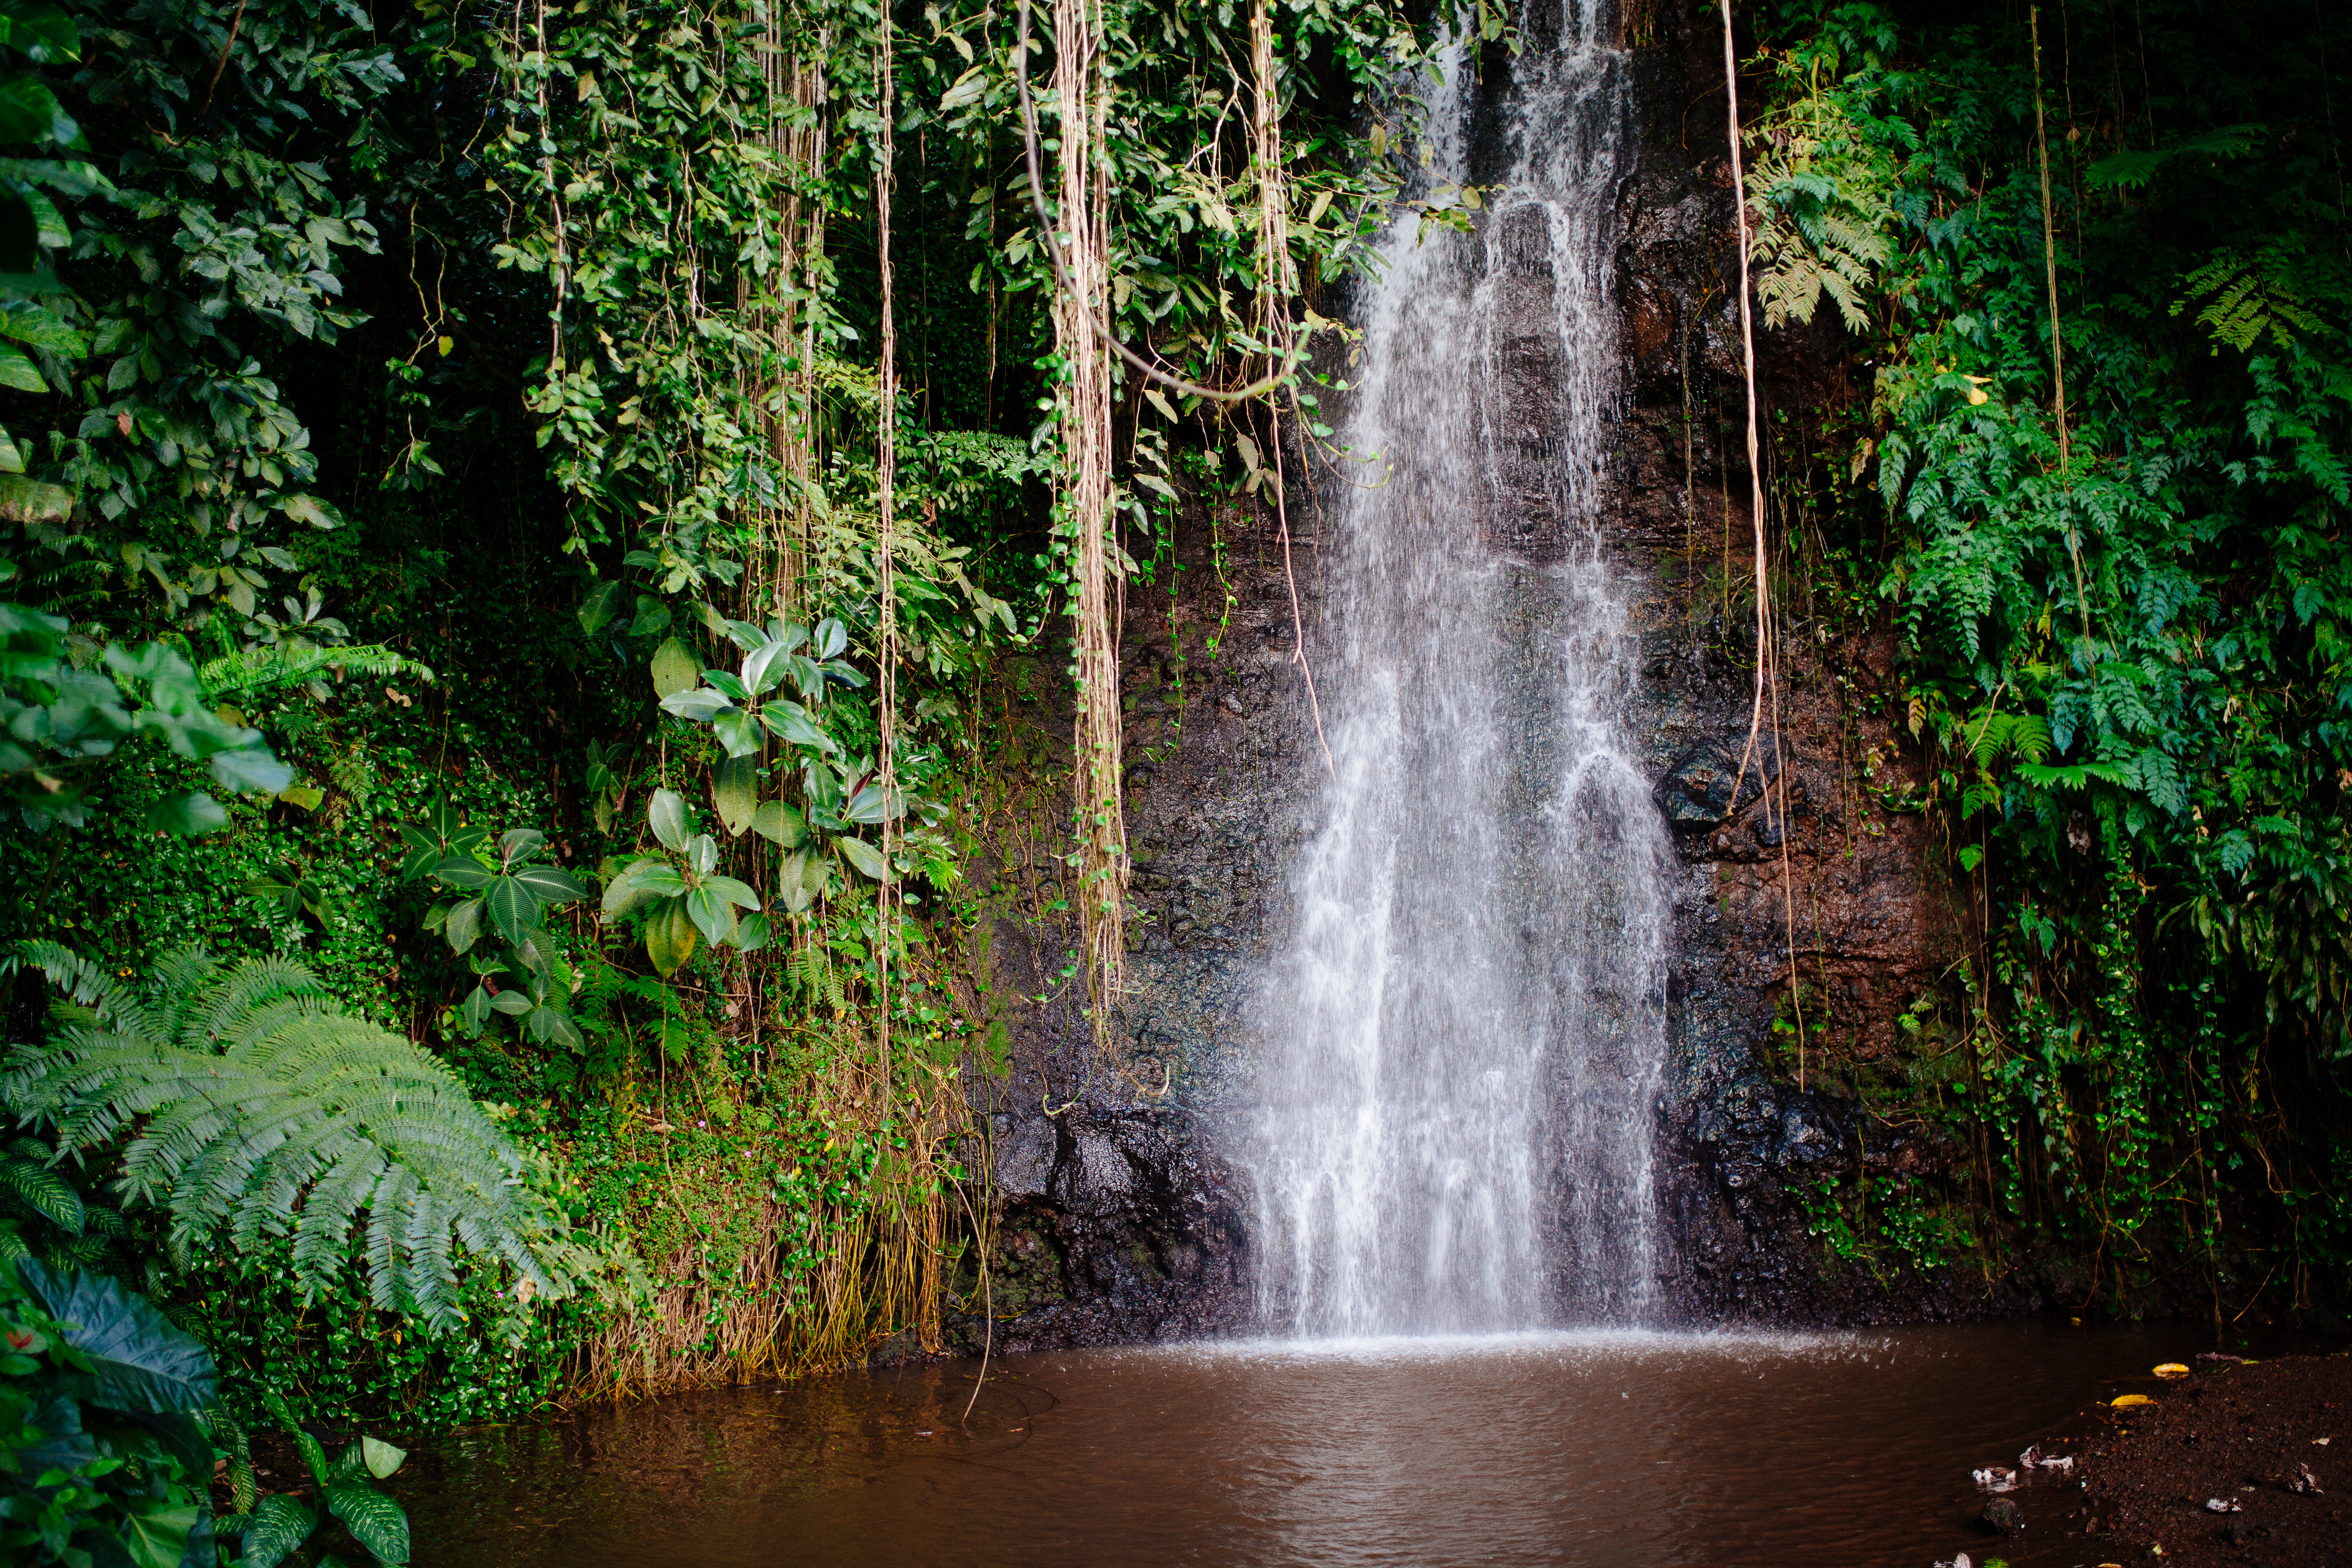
{"points": [[1120, 1219]]}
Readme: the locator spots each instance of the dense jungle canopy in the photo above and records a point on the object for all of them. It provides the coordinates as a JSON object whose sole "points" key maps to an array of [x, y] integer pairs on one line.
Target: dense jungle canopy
{"points": [[513, 516]]}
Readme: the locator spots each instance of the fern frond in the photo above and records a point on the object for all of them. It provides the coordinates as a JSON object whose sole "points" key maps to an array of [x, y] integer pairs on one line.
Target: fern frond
{"points": [[256, 670], [83, 982], [2248, 296], [255, 1107], [226, 1015]]}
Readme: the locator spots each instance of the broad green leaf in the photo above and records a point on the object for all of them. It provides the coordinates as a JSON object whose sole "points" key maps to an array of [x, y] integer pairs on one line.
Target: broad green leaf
{"points": [[29, 112], [519, 844], [873, 804], [44, 1188], [375, 1520], [549, 885], [640, 882], [513, 1004], [550, 1024], [809, 676], [832, 637], [158, 1539], [139, 1359], [865, 856], [41, 29], [512, 908], [462, 927], [712, 915], [674, 669], [422, 852], [596, 610], [965, 90], [246, 765], [313, 1455], [752, 932], [463, 872], [737, 731], [316, 510], [29, 323], [726, 686], [699, 705], [733, 891], [791, 720], [780, 822], [667, 815], [189, 812], [278, 1528], [735, 792], [763, 668], [670, 937], [804, 879], [17, 369]]}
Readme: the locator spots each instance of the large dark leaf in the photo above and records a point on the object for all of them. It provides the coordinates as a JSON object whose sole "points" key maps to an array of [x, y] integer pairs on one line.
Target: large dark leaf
{"points": [[183, 1437], [64, 1445], [139, 1361]]}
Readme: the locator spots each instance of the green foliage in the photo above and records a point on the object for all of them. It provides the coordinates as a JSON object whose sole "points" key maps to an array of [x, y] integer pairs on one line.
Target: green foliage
{"points": [[2244, 298], [1820, 201], [277, 1526], [61, 723], [193, 224], [245, 1103], [372, 367], [267, 667], [2127, 660], [684, 899], [514, 894], [103, 1454]]}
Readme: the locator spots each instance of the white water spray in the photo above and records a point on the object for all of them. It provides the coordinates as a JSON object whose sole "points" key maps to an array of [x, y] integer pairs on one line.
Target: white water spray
{"points": [[1465, 1042]]}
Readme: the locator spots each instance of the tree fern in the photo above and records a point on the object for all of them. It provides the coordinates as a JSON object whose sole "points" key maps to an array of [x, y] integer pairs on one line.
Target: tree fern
{"points": [[258, 671], [2245, 297], [1819, 208], [246, 1102]]}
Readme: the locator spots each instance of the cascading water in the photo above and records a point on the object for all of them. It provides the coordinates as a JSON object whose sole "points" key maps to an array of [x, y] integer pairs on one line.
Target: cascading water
{"points": [[1466, 1040]]}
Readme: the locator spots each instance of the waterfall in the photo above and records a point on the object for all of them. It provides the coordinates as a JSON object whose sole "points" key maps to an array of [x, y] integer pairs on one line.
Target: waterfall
{"points": [[1463, 1045]]}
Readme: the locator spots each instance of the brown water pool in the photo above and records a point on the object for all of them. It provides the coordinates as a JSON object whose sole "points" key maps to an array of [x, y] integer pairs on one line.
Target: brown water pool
{"points": [[1832, 1450]]}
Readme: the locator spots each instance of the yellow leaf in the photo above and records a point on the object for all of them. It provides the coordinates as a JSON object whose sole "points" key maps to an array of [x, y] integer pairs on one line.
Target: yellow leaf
{"points": [[2127, 1401], [1976, 396], [445, 343], [2172, 1369]]}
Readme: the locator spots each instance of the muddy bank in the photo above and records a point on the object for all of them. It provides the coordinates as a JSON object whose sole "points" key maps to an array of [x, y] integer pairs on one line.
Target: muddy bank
{"points": [[2239, 1464]]}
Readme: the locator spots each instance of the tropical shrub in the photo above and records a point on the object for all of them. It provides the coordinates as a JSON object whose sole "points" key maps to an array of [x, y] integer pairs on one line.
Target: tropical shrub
{"points": [[244, 1103]]}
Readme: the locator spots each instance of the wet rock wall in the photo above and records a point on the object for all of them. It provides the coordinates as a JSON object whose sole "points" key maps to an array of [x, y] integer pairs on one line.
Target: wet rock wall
{"points": [[1119, 1220]]}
